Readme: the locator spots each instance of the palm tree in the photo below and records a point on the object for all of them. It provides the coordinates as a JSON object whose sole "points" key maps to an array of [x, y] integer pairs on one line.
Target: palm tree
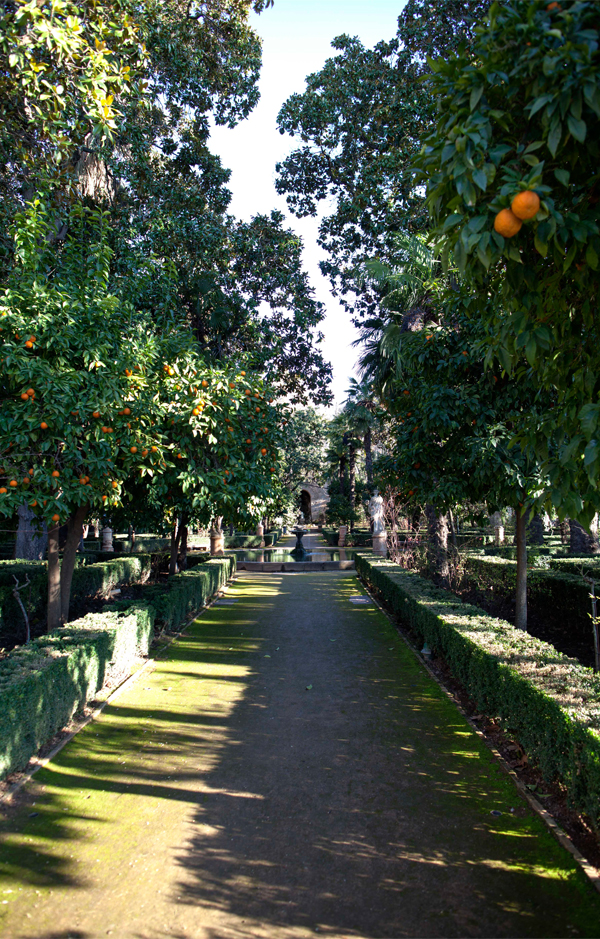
{"points": [[411, 287], [361, 408]]}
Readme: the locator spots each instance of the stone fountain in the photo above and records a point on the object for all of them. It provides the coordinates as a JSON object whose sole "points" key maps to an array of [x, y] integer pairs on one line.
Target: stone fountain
{"points": [[299, 551]]}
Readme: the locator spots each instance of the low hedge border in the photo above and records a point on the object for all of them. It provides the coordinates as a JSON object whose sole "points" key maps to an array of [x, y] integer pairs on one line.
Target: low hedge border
{"points": [[248, 541], [550, 592], [185, 593], [45, 682], [546, 699], [589, 565], [89, 580]]}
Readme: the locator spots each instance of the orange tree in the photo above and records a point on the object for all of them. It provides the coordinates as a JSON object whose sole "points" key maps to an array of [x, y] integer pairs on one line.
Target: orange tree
{"points": [[222, 436], [512, 175], [95, 394], [450, 424]]}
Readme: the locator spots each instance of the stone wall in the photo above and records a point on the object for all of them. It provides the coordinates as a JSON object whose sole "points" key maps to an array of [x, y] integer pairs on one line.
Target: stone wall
{"points": [[319, 499]]}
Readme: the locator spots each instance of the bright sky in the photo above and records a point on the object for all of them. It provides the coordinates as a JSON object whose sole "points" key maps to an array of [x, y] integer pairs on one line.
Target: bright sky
{"points": [[296, 41]]}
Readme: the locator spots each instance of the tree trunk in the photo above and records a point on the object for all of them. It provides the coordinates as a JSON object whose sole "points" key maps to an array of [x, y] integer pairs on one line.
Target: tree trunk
{"points": [[368, 457], [452, 530], [54, 608], [32, 536], [183, 545], [521, 543], [175, 538], [582, 541], [74, 532], [535, 531], [437, 545], [352, 480], [343, 475]]}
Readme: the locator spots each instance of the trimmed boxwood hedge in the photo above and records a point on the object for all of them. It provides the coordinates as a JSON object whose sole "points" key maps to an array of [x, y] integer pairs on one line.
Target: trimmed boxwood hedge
{"points": [[248, 541], [185, 593], [590, 565], [89, 580], [549, 701], [550, 593], [360, 538], [44, 683]]}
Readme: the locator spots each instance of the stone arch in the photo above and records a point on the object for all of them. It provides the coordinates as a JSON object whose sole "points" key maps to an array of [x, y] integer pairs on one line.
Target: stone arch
{"points": [[306, 504], [316, 499]]}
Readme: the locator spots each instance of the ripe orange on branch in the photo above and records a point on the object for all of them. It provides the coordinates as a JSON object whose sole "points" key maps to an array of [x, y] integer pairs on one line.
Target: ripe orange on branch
{"points": [[506, 223], [525, 205]]}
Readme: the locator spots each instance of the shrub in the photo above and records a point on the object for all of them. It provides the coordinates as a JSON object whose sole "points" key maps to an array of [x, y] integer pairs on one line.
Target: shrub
{"points": [[549, 701], [246, 541], [44, 683], [89, 580], [189, 591], [550, 593]]}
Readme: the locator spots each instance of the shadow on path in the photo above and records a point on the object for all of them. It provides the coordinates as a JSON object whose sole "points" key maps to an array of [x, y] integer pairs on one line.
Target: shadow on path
{"points": [[288, 770]]}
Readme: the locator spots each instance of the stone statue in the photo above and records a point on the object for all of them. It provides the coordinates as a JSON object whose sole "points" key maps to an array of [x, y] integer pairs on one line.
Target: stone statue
{"points": [[376, 513]]}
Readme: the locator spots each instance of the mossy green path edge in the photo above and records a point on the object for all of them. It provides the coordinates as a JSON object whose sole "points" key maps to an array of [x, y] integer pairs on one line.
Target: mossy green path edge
{"points": [[288, 768]]}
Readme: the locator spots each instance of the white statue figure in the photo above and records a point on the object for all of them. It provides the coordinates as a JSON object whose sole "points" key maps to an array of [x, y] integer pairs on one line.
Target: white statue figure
{"points": [[376, 512]]}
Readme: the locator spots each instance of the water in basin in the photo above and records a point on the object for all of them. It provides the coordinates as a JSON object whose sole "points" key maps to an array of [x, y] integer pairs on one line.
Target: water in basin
{"points": [[285, 554]]}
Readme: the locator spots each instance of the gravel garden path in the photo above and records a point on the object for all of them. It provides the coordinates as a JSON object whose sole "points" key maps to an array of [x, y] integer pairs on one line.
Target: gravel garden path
{"points": [[287, 769]]}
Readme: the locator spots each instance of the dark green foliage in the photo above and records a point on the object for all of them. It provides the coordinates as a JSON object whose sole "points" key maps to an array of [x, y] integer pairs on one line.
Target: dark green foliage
{"points": [[143, 544], [577, 565], [44, 683], [188, 592], [551, 594], [89, 580], [549, 702], [247, 541], [359, 538]]}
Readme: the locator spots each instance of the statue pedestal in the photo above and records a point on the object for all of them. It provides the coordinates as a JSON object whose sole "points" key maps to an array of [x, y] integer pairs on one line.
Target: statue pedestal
{"points": [[217, 542], [498, 535], [260, 533], [380, 544], [342, 536], [107, 539]]}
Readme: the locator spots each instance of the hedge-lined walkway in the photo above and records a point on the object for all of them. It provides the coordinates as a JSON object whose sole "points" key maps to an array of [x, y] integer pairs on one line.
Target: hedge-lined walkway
{"points": [[288, 769]]}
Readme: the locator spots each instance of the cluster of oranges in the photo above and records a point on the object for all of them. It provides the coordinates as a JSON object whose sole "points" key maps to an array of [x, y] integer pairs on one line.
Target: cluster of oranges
{"points": [[523, 207], [28, 395]]}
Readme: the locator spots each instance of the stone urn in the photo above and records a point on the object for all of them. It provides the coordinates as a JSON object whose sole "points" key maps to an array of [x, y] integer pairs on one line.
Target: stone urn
{"points": [[107, 539]]}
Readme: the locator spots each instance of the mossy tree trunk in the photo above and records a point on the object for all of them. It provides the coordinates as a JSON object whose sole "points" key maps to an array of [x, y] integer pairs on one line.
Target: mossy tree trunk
{"points": [[521, 514], [32, 535], [60, 576], [74, 533], [437, 545]]}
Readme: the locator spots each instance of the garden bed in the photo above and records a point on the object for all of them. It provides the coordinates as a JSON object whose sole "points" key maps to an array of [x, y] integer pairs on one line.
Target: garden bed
{"points": [[45, 682], [558, 600], [546, 700]]}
